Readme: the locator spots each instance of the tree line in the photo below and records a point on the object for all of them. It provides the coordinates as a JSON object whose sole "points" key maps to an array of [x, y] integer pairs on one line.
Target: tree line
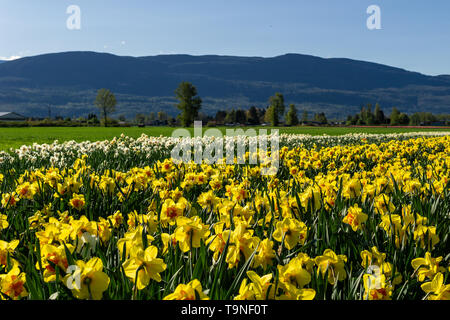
{"points": [[190, 104], [396, 118]]}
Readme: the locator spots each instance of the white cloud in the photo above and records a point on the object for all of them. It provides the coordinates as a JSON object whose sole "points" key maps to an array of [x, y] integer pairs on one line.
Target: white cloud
{"points": [[10, 58], [123, 43]]}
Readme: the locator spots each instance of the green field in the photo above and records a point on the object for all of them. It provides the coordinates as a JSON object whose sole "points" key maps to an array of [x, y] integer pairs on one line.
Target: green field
{"points": [[16, 137]]}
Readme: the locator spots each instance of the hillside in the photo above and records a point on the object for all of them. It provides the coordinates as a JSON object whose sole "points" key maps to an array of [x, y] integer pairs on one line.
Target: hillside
{"points": [[67, 82]]}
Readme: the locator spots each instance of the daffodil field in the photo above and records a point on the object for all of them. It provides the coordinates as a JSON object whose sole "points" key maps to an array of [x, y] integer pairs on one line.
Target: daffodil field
{"points": [[354, 217]]}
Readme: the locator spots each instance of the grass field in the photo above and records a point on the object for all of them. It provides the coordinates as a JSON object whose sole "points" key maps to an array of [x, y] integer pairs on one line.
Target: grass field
{"points": [[16, 137]]}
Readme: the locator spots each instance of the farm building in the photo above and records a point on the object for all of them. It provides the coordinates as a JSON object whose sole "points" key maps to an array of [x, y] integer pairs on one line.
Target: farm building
{"points": [[11, 116]]}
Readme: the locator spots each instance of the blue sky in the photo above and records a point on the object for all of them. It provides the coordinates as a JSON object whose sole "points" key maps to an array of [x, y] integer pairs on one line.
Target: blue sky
{"points": [[415, 34]]}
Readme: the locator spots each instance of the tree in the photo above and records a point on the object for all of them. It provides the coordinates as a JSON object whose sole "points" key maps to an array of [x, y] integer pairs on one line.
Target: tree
{"points": [[363, 115], [189, 102], [414, 120], [321, 118], [349, 121], [379, 115], [106, 102], [403, 119], [366, 115], [427, 117], [230, 117], [277, 102], [151, 116], [395, 114], [291, 116], [202, 117], [271, 116], [171, 121], [162, 116], [140, 118], [252, 115], [305, 116], [262, 115], [220, 116], [241, 117], [92, 119], [369, 117]]}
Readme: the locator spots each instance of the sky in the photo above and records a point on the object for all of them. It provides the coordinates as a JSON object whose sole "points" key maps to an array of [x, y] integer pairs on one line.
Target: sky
{"points": [[414, 34]]}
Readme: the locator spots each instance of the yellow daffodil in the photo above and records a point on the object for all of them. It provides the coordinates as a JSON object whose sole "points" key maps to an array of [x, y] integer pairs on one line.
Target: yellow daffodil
{"points": [[3, 222], [207, 200], [52, 257], [26, 190], [311, 196], [332, 263], [77, 202], [133, 240], [218, 240], [383, 204], [116, 219], [352, 189], [436, 289], [426, 236], [242, 244], [5, 249], [290, 232], [9, 200], [293, 274], [190, 232], [427, 267], [190, 291], [170, 211], [264, 254], [12, 284], [260, 288], [355, 217], [375, 287], [88, 281], [143, 266]]}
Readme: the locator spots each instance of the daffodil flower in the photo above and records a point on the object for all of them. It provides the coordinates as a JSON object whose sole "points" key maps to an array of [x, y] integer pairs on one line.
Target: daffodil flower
{"points": [[88, 281], [144, 266], [191, 291], [436, 289], [290, 232], [332, 263]]}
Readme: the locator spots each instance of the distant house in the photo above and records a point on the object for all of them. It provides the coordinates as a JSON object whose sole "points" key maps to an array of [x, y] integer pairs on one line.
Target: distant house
{"points": [[11, 116]]}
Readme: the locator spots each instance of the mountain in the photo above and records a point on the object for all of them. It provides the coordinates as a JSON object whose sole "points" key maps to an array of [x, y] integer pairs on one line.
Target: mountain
{"points": [[67, 82]]}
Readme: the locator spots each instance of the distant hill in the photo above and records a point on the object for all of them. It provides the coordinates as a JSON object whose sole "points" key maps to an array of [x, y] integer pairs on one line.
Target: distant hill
{"points": [[67, 82]]}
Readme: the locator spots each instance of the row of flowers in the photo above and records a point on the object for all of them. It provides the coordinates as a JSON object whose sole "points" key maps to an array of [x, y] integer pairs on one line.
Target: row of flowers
{"points": [[145, 149]]}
